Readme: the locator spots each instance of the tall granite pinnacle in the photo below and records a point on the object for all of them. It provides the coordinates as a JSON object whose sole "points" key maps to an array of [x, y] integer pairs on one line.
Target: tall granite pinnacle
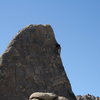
{"points": [[32, 63]]}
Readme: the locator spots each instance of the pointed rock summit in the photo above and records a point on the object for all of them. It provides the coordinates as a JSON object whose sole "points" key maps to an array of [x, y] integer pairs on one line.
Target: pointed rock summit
{"points": [[32, 63]]}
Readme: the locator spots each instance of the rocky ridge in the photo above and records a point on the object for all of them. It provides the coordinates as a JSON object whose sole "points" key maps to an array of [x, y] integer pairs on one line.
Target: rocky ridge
{"points": [[87, 97]]}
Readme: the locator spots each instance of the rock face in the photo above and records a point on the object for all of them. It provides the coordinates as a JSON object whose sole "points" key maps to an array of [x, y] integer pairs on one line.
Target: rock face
{"points": [[32, 63], [87, 97]]}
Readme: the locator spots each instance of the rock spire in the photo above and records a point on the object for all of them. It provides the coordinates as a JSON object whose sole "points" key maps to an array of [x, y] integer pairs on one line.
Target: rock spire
{"points": [[32, 63]]}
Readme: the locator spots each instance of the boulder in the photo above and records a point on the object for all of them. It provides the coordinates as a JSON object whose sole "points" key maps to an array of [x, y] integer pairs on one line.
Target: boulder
{"points": [[46, 96]]}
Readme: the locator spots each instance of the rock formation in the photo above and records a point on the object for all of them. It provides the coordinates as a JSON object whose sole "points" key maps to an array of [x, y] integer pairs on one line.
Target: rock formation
{"points": [[46, 96], [32, 63], [87, 97]]}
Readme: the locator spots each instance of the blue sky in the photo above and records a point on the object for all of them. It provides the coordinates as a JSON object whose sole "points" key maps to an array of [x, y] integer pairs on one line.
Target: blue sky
{"points": [[76, 24]]}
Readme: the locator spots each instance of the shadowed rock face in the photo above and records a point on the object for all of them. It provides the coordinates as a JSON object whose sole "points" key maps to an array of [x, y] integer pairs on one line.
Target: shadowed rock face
{"points": [[32, 63]]}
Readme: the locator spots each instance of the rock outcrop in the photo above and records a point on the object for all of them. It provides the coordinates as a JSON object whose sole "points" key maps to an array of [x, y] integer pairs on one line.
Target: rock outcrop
{"points": [[32, 63], [87, 97], [46, 96]]}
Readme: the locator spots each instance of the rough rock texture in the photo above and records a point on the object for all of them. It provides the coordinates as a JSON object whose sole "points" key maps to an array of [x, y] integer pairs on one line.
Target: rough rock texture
{"points": [[87, 97], [46, 96], [32, 63]]}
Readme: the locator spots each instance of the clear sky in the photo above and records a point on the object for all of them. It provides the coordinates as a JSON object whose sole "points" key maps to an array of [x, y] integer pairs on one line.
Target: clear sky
{"points": [[76, 24]]}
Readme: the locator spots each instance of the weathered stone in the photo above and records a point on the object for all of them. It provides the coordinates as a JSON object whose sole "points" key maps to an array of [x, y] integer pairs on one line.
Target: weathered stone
{"points": [[43, 96], [32, 63], [34, 99], [46, 96], [62, 98], [87, 97]]}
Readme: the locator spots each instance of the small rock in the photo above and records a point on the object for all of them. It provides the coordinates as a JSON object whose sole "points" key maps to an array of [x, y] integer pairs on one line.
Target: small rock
{"points": [[62, 98]]}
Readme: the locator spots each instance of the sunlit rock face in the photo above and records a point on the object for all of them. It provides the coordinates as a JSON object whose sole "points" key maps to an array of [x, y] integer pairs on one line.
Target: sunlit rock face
{"points": [[32, 63], [46, 96]]}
